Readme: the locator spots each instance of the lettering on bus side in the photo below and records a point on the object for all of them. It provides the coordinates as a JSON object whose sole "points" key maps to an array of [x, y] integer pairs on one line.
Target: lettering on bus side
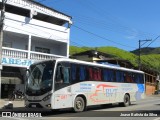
{"points": [[63, 97], [85, 87], [107, 90], [111, 91]]}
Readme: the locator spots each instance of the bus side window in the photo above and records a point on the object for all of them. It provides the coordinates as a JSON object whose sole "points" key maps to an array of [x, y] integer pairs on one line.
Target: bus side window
{"points": [[66, 74], [106, 75], [140, 79], [82, 73], [62, 78], [128, 78], [125, 77], [97, 74], [133, 78], [73, 72], [111, 75], [62, 73], [90, 71], [119, 76], [59, 74]]}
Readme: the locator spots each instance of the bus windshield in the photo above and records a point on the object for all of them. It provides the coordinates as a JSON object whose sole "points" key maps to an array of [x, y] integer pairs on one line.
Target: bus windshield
{"points": [[40, 78]]}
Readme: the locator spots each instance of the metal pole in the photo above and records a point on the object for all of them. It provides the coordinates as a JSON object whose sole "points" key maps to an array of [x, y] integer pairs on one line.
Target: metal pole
{"points": [[1, 37], [139, 61]]}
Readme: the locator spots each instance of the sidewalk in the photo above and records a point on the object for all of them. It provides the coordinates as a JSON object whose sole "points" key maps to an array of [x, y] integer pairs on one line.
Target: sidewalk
{"points": [[154, 95], [16, 103]]}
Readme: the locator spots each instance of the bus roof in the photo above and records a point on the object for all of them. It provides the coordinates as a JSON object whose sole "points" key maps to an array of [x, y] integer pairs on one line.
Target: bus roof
{"points": [[94, 64]]}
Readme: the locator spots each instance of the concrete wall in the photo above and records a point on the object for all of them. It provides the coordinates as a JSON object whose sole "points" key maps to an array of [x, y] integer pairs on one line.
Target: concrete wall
{"points": [[24, 25], [150, 89]]}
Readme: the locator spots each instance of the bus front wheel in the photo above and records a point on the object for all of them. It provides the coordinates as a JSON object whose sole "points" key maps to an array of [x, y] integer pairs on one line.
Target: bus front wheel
{"points": [[126, 101], [79, 104]]}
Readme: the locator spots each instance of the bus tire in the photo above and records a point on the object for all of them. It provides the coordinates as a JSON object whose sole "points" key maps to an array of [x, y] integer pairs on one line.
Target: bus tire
{"points": [[79, 104], [126, 101]]}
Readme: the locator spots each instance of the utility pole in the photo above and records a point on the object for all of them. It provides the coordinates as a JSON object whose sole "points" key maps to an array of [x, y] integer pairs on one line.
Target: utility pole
{"points": [[139, 60], [1, 35]]}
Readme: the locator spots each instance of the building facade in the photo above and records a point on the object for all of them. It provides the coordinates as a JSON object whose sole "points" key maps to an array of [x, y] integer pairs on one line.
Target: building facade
{"points": [[31, 32]]}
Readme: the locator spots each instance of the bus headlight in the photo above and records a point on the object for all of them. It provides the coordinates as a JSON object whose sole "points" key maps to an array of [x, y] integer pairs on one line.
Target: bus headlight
{"points": [[49, 105], [47, 97]]}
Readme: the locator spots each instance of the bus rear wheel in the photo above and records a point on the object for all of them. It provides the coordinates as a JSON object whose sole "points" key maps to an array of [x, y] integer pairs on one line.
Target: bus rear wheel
{"points": [[126, 101], [79, 104]]}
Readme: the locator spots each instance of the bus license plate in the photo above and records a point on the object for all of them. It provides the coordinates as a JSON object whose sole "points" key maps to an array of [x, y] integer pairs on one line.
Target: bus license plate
{"points": [[34, 106]]}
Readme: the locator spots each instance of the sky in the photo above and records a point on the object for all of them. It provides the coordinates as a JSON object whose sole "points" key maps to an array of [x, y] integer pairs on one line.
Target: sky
{"points": [[117, 23]]}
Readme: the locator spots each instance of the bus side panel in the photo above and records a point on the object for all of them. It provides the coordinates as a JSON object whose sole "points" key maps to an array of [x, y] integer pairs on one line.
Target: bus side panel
{"points": [[94, 92], [135, 91], [63, 98], [98, 93], [140, 93]]}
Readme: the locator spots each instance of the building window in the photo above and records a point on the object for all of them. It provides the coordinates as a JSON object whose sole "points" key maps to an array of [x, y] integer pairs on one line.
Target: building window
{"points": [[43, 50], [7, 44]]}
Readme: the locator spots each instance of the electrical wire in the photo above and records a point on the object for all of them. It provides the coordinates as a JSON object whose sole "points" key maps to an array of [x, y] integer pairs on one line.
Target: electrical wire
{"points": [[154, 40], [101, 37]]}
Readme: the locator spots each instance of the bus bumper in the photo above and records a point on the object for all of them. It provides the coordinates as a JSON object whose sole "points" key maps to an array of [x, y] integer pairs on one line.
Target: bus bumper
{"points": [[40, 104]]}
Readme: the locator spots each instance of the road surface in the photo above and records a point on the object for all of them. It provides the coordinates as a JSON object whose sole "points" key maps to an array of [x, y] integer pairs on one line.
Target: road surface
{"points": [[146, 109]]}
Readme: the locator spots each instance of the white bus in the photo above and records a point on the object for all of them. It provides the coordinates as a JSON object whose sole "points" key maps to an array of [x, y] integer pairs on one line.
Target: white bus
{"points": [[66, 83]]}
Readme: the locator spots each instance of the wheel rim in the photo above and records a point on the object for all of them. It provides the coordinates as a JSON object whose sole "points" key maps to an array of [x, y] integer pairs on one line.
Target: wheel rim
{"points": [[79, 105], [126, 100]]}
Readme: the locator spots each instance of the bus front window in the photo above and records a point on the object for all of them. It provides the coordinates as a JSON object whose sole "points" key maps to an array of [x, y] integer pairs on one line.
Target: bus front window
{"points": [[40, 78]]}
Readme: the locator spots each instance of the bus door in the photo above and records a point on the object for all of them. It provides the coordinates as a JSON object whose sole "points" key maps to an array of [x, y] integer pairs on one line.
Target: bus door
{"points": [[62, 94]]}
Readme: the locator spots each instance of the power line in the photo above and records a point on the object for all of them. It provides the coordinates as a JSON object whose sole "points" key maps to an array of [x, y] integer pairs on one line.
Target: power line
{"points": [[108, 25], [127, 28], [100, 11], [101, 37], [154, 40]]}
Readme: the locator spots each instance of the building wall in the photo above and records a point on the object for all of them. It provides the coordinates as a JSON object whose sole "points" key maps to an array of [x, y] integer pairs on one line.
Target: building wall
{"points": [[18, 30], [24, 25], [150, 89], [17, 41], [58, 48], [151, 83]]}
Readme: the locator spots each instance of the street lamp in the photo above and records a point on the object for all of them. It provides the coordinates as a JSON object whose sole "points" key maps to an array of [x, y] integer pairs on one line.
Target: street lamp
{"points": [[145, 41]]}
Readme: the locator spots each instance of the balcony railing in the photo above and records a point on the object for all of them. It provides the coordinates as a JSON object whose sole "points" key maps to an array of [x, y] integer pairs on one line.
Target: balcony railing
{"points": [[23, 54], [43, 56], [15, 53]]}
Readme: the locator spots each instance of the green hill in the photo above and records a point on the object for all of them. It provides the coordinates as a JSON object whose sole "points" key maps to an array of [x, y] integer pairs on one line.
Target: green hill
{"points": [[147, 50], [151, 61]]}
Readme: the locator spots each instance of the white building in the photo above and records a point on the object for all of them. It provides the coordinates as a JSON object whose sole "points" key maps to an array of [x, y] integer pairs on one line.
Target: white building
{"points": [[32, 32]]}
